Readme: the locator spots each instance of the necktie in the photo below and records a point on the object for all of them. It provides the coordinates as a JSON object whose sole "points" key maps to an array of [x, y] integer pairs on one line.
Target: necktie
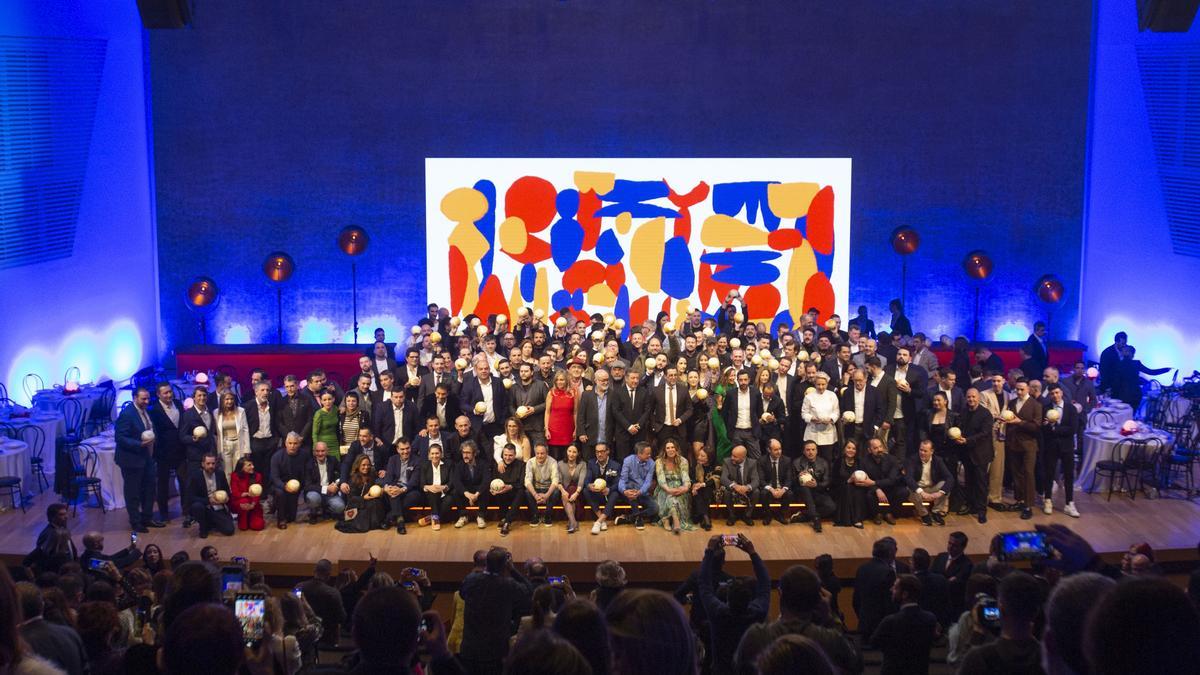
{"points": [[145, 420], [775, 471], [631, 403], [670, 405]]}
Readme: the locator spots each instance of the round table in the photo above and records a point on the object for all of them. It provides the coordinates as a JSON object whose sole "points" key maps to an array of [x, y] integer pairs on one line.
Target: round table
{"points": [[52, 426], [112, 483], [13, 462], [1098, 446], [48, 400], [1110, 414]]}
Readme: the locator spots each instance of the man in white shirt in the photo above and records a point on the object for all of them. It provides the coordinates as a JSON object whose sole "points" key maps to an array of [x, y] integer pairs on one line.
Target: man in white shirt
{"points": [[742, 411], [321, 488], [996, 400]]}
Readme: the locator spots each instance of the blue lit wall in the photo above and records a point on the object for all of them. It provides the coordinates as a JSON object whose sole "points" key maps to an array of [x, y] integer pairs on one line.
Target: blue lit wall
{"points": [[96, 305], [1133, 279], [277, 123]]}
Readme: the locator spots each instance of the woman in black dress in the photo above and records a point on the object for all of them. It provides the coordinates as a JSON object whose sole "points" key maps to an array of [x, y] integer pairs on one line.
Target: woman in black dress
{"points": [[697, 424], [706, 480], [852, 499], [364, 508], [935, 426]]}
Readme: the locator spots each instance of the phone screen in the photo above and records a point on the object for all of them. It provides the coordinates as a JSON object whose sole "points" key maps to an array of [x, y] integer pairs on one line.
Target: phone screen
{"points": [[231, 579], [250, 608], [96, 563], [729, 539], [1023, 546], [133, 537], [991, 613]]}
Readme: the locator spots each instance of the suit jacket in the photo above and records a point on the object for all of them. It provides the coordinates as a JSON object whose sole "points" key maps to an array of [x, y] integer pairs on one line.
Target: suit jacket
{"points": [[905, 639], [834, 369], [786, 477], [379, 457], [285, 467], [1023, 437], [683, 407], [1110, 369], [411, 393], [313, 483], [873, 408], [960, 569], [533, 396], [817, 467], [198, 487], [1038, 352], [885, 470], [769, 430], [462, 481], [384, 421], [729, 410], [751, 476], [251, 408], [887, 397], [420, 446], [626, 412], [193, 447], [430, 382], [395, 475], [130, 453], [429, 409], [301, 422], [375, 371], [916, 400], [993, 365], [472, 393], [426, 474], [938, 473], [872, 598], [1060, 437], [167, 444], [976, 427], [587, 416], [956, 399]]}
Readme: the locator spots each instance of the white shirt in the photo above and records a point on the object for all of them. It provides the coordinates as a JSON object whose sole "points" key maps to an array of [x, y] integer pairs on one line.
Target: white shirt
{"points": [[172, 413], [323, 472], [820, 406], [398, 420], [489, 415], [860, 398], [743, 409], [926, 474], [264, 420], [900, 377], [210, 484], [441, 414], [437, 473], [781, 388]]}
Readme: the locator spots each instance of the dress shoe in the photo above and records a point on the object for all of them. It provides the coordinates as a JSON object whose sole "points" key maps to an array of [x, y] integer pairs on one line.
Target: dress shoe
{"points": [[638, 523], [282, 524], [878, 519], [1026, 513], [187, 522], [937, 518], [749, 521], [706, 523], [730, 521], [816, 525], [504, 529], [962, 510], [156, 523], [400, 529], [621, 519], [767, 521], [926, 520], [983, 517], [891, 520], [312, 519], [999, 506], [781, 520]]}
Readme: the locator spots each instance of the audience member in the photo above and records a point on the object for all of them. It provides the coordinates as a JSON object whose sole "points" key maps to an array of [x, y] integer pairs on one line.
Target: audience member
{"points": [[906, 637]]}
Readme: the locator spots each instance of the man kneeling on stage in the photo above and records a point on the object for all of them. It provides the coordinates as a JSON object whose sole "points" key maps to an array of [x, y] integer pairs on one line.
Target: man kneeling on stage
{"points": [[210, 494]]}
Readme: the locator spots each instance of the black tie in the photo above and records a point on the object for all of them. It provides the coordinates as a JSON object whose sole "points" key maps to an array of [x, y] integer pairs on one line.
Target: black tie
{"points": [[775, 471]]}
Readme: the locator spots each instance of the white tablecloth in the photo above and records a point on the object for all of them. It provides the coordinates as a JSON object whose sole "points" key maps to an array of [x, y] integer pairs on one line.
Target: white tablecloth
{"points": [[13, 462], [112, 484], [52, 426], [48, 400], [1110, 414], [1098, 446]]}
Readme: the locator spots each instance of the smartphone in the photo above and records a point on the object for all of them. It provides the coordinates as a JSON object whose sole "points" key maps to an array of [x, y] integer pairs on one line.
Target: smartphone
{"points": [[239, 560], [232, 577], [1023, 546], [142, 613], [251, 609], [409, 586], [556, 581], [729, 540], [413, 572], [298, 593], [424, 626], [96, 563], [990, 612], [133, 538]]}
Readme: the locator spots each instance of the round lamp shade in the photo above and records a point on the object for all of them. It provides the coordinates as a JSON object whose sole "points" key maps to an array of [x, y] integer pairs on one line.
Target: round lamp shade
{"points": [[292, 486], [978, 265], [279, 267], [1050, 289], [202, 293], [905, 240], [353, 240]]}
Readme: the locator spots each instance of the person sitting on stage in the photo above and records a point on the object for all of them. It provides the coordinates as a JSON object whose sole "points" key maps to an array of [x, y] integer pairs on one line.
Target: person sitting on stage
{"points": [[778, 486], [246, 505], [883, 476], [741, 481], [541, 485], [572, 475], [706, 478], [206, 509], [930, 482], [470, 480], [435, 485], [287, 466], [321, 485], [511, 495], [364, 508], [602, 499], [637, 478], [813, 478], [401, 484], [366, 444]]}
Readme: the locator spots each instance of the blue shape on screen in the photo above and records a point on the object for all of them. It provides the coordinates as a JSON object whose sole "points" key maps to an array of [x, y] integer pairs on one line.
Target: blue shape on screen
{"points": [[631, 195], [824, 263], [567, 203], [487, 227], [739, 257], [678, 275], [566, 242], [745, 268], [528, 281], [784, 317], [621, 309], [563, 299], [730, 198], [608, 248]]}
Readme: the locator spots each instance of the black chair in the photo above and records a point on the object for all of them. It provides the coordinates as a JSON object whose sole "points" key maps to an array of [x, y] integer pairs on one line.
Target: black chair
{"points": [[1131, 461], [3, 392], [73, 417], [35, 438], [1100, 419], [101, 417], [83, 477], [32, 383], [1180, 464], [12, 486], [72, 375]]}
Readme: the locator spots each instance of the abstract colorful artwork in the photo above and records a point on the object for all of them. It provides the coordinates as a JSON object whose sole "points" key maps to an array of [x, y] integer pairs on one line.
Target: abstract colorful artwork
{"points": [[638, 236]]}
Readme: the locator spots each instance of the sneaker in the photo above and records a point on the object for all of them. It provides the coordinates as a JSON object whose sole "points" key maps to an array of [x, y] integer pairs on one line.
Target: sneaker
{"points": [[504, 529], [816, 525], [891, 520], [604, 526], [596, 527], [535, 521], [480, 522], [546, 522], [939, 520], [1070, 510], [458, 524], [1047, 507], [638, 524], [926, 520], [437, 524], [621, 519], [1026, 513]]}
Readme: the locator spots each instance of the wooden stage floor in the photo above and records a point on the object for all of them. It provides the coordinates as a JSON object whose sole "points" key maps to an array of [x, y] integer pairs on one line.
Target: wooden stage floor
{"points": [[1171, 526]]}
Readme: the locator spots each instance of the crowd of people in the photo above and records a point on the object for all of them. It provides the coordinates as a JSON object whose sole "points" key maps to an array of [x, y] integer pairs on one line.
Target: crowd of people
{"points": [[135, 611], [545, 418]]}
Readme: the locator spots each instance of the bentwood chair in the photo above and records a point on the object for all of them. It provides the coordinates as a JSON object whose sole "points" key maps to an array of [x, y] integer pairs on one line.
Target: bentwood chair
{"points": [[1131, 461], [35, 438], [84, 482], [32, 383], [72, 375]]}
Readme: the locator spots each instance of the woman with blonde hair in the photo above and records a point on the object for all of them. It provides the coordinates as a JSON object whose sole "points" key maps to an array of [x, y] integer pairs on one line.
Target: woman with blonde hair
{"points": [[513, 433], [674, 488], [560, 416], [233, 434]]}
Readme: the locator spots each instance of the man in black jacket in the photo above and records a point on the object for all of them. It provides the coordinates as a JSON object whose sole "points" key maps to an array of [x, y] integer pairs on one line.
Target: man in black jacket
{"points": [[196, 445], [976, 452], [205, 509], [883, 474], [742, 412], [631, 410], [873, 587], [295, 412], [401, 482], [671, 409], [493, 600], [935, 589], [775, 471], [906, 637], [289, 465], [326, 602], [57, 644], [395, 418], [262, 423], [167, 415], [863, 400], [812, 486], [1059, 424], [469, 481], [929, 484]]}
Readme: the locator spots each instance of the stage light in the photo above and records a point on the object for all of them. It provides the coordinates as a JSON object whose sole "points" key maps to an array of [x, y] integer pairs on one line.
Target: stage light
{"points": [[237, 334], [81, 349], [1011, 331], [353, 240], [279, 267], [314, 331], [123, 349], [978, 265], [202, 292], [905, 240], [1050, 289]]}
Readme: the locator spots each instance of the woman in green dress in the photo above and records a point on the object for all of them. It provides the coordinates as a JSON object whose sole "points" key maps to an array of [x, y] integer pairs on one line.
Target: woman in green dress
{"points": [[673, 493], [720, 441], [325, 426]]}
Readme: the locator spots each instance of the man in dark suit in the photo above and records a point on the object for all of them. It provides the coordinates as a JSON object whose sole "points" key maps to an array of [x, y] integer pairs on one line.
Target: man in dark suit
{"points": [[929, 482], [383, 390], [195, 446], [1038, 346], [774, 419], [775, 471], [262, 423], [912, 384], [288, 465], [409, 373], [135, 456], [672, 408], [401, 482], [742, 412], [167, 415], [58, 644], [469, 481], [604, 499], [863, 400], [1021, 446], [325, 601], [813, 479], [873, 581], [491, 599], [1060, 422], [527, 402], [631, 410], [208, 513], [441, 406], [975, 452], [431, 435], [323, 478], [1110, 362], [991, 364], [593, 416], [295, 412], [485, 389], [906, 637], [945, 380], [381, 360], [884, 475], [935, 589], [889, 396], [741, 480], [395, 419], [435, 485], [439, 375], [836, 368], [956, 567], [368, 444]]}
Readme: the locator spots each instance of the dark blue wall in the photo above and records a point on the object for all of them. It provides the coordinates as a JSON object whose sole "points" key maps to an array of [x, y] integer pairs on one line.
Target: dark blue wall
{"points": [[276, 123]]}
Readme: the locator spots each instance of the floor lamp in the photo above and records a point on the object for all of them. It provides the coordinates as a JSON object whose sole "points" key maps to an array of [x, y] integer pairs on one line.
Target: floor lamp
{"points": [[905, 242], [202, 296], [353, 240], [279, 267], [978, 265]]}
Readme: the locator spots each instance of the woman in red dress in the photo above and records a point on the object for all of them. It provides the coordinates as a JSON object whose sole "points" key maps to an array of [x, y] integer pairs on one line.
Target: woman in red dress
{"points": [[560, 417], [247, 507]]}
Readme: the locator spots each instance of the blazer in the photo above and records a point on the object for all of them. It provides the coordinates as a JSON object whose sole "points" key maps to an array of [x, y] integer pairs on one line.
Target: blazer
{"points": [[394, 474], [384, 421], [960, 569], [426, 474], [626, 412], [873, 408], [751, 476], [905, 639], [834, 369], [429, 409], [251, 409], [887, 397], [472, 393], [130, 453], [420, 446], [976, 427], [301, 422], [312, 481], [683, 407], [957, 397], [884, 470], [767, 431], [168, 447], [462, 481], [817, 467], [729, 410], [917, 399], [938, 473], [786, 477], [587, 416], [1060, 437], [1037, 351], [194, 448], [243, 432], [430, 382], [375, 371], [198, 487], [1023, 437], [533, 396], [872, 598], [379, 457]]}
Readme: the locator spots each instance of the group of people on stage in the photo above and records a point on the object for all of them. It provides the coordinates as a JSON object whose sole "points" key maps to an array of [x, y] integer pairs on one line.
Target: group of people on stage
{"points": [[670, 420]]}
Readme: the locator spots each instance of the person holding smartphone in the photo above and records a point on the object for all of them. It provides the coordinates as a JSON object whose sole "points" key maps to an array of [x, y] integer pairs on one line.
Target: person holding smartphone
{"points": [[746, 600]]}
